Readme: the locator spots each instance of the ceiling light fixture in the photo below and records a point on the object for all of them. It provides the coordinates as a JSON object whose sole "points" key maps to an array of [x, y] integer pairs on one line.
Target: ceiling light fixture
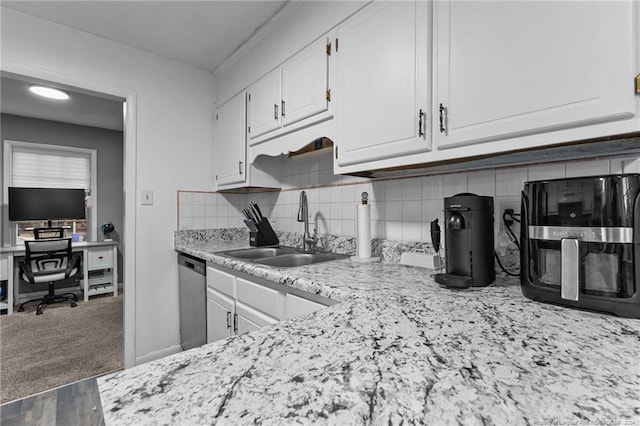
{"points": [[49, 92]]}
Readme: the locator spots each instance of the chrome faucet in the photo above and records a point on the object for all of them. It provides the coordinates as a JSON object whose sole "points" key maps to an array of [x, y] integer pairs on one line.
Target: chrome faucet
{"points": [[308, 241]]}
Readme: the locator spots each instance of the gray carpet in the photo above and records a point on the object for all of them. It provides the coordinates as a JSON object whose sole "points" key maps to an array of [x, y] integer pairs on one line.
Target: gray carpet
{"points": [[61, 346]]}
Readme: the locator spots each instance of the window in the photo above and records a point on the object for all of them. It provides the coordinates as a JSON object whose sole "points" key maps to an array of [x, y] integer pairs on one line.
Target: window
{"points": [[49, 166]]}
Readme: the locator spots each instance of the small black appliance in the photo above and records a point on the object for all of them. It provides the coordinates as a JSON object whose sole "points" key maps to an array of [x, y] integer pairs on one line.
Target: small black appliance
{"points": [[468, 237], [581, 243]]}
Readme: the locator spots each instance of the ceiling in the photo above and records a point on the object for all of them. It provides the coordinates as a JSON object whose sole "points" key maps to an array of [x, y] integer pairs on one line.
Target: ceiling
{"points": [[202, 34]]}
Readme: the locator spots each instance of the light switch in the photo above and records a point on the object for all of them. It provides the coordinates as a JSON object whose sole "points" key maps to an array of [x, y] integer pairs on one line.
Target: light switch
{"points": [[147, 197]]}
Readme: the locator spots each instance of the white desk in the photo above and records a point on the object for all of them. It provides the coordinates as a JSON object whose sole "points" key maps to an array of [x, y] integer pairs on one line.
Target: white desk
{"points": [[92, 259]]}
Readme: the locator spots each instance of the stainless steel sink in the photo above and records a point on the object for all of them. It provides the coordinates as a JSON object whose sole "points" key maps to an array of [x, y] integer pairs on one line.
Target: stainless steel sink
{"points": [[256, 253], [281, 257], [299, 259]]}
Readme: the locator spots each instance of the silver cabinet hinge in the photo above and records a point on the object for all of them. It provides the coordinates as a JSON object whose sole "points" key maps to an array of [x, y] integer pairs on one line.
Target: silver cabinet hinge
{"points": [[329, 49], [328, 95]]}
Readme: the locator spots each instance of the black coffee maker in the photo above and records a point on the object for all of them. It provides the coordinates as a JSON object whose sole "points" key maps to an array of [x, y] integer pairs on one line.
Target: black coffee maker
{"points": [[469, 249]]}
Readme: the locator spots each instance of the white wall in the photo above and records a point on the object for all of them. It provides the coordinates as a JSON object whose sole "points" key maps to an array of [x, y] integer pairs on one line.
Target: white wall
{"points": [[173, 150]]}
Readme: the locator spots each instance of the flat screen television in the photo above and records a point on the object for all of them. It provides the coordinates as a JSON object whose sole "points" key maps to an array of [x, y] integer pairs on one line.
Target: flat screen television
{"points": [[46, 204]]}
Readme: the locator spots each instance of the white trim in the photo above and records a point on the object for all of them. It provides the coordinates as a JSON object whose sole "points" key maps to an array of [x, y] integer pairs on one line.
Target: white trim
{"points": [[9, 145], [152, 356], [130, 182]]}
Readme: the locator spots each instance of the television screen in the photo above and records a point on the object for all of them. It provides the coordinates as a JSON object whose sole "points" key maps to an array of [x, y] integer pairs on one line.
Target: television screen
{"points": [[46, 204]]}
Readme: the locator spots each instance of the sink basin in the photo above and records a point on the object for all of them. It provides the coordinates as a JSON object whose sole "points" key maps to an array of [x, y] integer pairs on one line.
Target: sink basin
{"points": [[299, 259], [259, 252]]}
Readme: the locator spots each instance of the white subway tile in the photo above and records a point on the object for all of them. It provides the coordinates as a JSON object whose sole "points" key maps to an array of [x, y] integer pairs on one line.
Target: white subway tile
{"points": [[184, 223], [197, 198], [546, 171], [184, 197], [336, 194], [349, 194], [482, 182], [349, 210], [411, 211], [411, 189], [210, 222], [377, 191], [210, 198], [510, 181], [412, 231], [222, 222], [336, 211], [186, 210], [222, 210], [210, 210], [587, 168], [378, 211], [349, 228], [197, 223], [393, 190], [393, 230], [335, 226], [378, 229], [393, 211], [432, 187], [432, 209], [197, 210], [454, 183]]}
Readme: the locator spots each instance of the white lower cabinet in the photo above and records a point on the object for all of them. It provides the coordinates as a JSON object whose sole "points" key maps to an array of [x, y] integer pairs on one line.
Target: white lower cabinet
{"points": [[220, 311], [238, 303]]}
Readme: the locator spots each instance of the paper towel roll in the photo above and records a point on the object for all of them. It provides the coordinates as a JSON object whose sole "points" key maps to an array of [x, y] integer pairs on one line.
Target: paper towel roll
{"points": [[364, 231]]}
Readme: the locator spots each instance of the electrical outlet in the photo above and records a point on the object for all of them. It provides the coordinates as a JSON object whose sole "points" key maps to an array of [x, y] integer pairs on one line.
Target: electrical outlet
{"points": [[501, 204], [146, 197]]}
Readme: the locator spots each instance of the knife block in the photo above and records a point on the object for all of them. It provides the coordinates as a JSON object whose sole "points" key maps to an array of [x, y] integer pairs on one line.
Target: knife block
{"points": [[265, 236]]}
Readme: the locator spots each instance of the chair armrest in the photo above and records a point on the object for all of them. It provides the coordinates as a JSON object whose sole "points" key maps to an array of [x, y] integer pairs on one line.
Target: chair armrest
{"points": [[74, 262], [25, 268]]}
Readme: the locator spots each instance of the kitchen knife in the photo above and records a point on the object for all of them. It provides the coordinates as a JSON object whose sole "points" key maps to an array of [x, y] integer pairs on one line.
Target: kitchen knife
{"points": [[247, 214], [435, 235], [255, 212], [255, 205], [251, 225]]}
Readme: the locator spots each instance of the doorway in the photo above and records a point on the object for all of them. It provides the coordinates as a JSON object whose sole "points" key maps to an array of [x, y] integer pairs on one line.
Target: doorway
{"points": [[126, 169]]}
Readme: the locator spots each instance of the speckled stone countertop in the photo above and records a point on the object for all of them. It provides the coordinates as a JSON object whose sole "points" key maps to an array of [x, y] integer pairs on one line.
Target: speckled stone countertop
{"points": [[397, 349]]}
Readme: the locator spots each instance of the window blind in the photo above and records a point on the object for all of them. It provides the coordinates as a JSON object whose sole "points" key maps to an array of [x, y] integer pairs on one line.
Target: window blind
{"points": [[50, 169]]}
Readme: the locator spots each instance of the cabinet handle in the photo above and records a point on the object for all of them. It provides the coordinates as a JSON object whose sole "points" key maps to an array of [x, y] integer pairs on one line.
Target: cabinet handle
{"points": [[420, 118], [282, 112], [228, 320], [240, 167], [235, 323], [275, 111], [443, 112]]}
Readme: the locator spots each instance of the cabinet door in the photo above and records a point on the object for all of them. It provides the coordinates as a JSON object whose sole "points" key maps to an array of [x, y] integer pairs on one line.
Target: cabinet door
{"points": [[382, 82], [231, 155], [296, 306], [507, 69], [263, 105], [248, 319], [305, 81], [220, 311], [259, 297], [222, 282]]}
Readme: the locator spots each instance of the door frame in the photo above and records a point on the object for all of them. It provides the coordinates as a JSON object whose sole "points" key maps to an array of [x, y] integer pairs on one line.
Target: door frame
{"points": [[129, 187]]}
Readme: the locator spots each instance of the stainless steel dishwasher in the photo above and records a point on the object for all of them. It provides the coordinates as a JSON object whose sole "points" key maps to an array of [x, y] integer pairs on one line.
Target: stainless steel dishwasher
{"points": [[192, 285]]}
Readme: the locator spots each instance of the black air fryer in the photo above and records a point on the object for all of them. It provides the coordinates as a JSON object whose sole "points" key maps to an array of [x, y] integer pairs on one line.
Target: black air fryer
{"points": [[581, 243], [468, 233]]}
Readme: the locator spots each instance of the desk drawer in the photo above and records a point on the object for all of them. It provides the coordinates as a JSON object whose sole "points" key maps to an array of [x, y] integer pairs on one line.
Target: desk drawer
{"points": [[100, 258]]}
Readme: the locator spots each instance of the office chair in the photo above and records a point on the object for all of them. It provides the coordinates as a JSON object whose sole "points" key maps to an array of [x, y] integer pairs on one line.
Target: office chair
{"points": [[49, 261], [48, 233]]}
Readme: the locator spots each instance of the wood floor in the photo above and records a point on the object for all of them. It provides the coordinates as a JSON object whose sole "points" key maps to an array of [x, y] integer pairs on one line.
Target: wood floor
{"points": [[74, 404]]}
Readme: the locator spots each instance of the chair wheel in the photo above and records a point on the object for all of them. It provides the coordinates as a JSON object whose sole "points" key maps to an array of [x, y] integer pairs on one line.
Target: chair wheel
{"points": [[74, 304], [38, 312], [21, 309]]}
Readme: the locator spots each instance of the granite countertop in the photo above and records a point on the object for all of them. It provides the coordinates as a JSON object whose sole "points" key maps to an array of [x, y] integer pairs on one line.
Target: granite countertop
{"points": [[398, 348]]}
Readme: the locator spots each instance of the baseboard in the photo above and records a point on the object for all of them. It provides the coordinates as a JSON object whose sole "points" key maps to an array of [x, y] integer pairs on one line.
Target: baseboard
{"points": [[152, 356]]}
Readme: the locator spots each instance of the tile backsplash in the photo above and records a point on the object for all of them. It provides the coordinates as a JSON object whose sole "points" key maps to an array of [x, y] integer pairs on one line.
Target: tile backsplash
{"points": [[401, 208]]}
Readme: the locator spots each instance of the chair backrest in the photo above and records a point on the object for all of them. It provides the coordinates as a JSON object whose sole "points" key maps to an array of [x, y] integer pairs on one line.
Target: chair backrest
{"points": [[48, 233], [38, 250]]}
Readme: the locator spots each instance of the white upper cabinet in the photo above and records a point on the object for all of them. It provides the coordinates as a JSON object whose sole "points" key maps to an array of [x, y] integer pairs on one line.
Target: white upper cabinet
{"points": [[263, 105], [305, 83], [293, 95], [231, 142], [383, 83], [511, 69]]}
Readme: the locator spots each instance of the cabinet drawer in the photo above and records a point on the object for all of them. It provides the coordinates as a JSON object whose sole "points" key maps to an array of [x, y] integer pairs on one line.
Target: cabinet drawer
{"points": [[100, 258], [296, 306], [259, 297], [220, 281]]}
